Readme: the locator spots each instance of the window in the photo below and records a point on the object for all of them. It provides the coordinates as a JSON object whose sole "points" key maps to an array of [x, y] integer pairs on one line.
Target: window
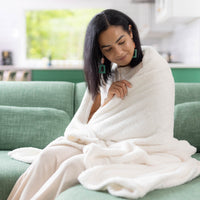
{"points": [[57, 33]]}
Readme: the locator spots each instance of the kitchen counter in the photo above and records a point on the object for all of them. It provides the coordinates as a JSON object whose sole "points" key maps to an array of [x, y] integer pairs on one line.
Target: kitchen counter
{"points": [[181, 72], [80, 67], [12, 67], [51, 73], [180, 65]]}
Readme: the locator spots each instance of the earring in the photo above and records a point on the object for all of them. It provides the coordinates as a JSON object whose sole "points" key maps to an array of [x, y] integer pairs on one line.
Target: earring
{"points": [[135, 53], [102, 66]]}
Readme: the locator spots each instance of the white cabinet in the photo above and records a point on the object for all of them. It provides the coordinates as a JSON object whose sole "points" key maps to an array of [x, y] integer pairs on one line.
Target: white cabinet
{"points": [[140, 13], [143, 14], [144, 17], [162, 10], [158, 20], [176, 10]]}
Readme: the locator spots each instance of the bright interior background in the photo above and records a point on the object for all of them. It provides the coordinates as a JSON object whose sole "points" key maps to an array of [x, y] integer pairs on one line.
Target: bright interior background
{"points": [[179, 36]]}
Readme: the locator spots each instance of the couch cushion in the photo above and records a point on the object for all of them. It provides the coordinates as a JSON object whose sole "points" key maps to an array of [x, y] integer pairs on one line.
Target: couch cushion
{"points": [[30, 126], [58, 95], [10, 170], [187, 92], [79, 93], [186, 123], [189, 191]]}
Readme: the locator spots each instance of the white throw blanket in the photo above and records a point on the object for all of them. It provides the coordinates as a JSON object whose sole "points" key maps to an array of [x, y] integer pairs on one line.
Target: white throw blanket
{"points": [[128, 144]]}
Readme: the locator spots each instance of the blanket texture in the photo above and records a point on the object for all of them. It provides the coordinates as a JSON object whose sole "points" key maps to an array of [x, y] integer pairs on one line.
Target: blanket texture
{"points": [[128, 144]]}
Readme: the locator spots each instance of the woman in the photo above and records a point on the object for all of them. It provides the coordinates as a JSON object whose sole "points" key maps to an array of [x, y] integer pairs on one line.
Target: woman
{"points": [[115, 44], [93, 146]]}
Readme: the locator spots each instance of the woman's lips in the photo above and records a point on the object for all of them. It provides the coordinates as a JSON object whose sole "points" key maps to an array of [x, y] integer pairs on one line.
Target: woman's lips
{"points": [[122, 58]]}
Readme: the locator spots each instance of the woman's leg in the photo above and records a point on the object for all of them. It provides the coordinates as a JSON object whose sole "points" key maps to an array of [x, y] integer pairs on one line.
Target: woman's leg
{"points": [[40, 170], [65, 177]]}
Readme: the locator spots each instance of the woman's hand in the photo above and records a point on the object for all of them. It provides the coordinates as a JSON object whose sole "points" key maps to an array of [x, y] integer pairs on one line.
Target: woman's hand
{"points": [[119, 88]]}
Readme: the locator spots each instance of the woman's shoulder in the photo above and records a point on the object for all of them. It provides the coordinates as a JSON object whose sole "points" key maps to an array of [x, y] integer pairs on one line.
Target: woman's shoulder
{"points": [[149, 51], [150, 54]]}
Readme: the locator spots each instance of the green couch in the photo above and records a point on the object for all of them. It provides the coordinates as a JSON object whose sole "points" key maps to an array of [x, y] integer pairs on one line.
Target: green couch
{"points": [[35, 113]]}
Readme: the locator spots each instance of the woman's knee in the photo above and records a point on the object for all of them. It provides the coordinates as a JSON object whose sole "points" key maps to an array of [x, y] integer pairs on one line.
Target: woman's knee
{"points": [[57, 154], [73, 164], [46, 156]]}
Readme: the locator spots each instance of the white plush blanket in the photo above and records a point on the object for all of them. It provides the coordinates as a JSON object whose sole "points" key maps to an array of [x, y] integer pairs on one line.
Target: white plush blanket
{"points": [[128, 145]]}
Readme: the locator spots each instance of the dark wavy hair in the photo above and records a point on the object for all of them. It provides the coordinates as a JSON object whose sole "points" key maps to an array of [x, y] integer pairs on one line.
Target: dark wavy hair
{"points": [[92, 54]]}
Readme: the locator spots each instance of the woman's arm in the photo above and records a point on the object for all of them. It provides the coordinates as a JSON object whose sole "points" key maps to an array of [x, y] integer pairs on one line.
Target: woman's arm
{"points": [[96, 105]]}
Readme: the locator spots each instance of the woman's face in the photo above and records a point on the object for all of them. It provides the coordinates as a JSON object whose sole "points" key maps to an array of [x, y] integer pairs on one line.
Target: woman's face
{"points": [[117, 45]]}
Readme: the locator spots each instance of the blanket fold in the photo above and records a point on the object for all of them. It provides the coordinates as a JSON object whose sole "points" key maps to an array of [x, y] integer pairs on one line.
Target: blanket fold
{"points": [[128, 145]]}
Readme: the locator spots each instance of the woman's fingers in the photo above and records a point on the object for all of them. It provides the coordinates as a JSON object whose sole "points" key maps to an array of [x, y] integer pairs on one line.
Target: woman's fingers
{"points": [[118, 88], [121, 86], [114, 90], [124, 89], [118, 91], [123, 81], [127, 83]]}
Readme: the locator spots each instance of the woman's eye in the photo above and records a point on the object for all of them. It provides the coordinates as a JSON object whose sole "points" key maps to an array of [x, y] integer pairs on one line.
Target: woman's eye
{"points": [[121, 42], [107, 50]]}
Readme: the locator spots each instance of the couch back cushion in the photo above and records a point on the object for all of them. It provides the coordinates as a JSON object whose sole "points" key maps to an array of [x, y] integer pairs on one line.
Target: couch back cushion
{"points": [[187, 92], [187, 113], [79, 93], [34, 113], [186, 122], [58, 95], [30, 126]]}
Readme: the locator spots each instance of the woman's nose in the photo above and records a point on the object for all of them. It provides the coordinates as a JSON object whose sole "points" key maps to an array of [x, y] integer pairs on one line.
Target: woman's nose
{"points": [[118, 52]]}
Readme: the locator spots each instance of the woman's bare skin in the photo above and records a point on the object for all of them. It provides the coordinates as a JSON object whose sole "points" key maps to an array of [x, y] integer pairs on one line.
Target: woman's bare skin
{"points": [[118, 88]]}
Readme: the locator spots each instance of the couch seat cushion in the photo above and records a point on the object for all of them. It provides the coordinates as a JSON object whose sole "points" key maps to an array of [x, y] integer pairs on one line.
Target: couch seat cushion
{"points": [[10, 170], [187, 191]]}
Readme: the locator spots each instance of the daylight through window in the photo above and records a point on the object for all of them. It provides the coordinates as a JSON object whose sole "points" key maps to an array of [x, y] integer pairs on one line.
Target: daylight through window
{"points": [[57, 33]]}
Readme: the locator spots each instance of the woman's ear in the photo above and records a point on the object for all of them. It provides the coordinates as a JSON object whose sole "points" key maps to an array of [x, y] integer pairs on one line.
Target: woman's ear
{"points": [[130, 31]]}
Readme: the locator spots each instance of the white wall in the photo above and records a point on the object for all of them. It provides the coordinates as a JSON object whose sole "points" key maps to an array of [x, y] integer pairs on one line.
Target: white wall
{"points": [[12, 32], [184, 43]]}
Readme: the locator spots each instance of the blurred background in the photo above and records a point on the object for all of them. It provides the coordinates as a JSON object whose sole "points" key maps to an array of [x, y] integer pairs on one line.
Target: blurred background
{"points": [[42, 40]]}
